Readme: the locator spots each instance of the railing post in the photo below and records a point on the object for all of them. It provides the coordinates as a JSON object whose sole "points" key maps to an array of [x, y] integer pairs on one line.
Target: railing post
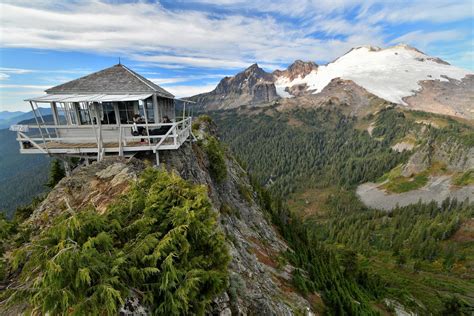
{"points": [[175, 134], [120, 142]]}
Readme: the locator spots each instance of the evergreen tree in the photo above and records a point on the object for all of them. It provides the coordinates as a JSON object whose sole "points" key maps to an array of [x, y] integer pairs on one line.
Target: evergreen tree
{"points": [[56, 173]]}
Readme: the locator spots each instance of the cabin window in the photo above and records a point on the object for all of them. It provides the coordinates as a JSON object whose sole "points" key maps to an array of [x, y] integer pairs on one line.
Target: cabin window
{"points": [[108, 113], [148, 106], [127, 111], [83, 112]]}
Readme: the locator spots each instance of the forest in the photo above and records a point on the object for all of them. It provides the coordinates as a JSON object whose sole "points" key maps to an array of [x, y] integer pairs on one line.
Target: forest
{"points": [[410, 255], [18, 187]]}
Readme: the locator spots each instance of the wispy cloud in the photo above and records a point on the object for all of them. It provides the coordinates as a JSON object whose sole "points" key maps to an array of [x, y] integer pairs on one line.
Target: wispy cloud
{"points": [[191, 38], [422, 39], [189, 78], [23, 86], [181, 91], [14, 70], [151, 33]]}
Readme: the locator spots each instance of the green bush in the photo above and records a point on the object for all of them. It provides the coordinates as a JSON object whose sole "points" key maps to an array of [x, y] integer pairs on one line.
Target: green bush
{"points": [[215, 154], [159, 241]]}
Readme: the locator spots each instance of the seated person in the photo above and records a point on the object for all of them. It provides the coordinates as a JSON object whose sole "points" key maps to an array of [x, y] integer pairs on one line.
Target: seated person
{"points": [[166, 119], [163, 129], [137, 130]]}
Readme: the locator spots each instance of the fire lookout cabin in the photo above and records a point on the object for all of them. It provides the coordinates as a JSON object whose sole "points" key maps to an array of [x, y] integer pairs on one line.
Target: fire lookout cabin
{"points": [[114, 111]]}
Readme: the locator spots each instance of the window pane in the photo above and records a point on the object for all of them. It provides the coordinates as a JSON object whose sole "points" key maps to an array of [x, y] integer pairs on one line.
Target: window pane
{"points": [[109, 113]]}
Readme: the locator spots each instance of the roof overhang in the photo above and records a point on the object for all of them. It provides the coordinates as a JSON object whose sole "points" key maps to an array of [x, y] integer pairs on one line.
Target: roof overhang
{"points": [[89, 97]]}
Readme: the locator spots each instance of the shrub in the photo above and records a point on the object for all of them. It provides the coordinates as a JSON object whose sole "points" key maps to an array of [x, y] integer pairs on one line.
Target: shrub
{"points": [[215, 154], [160, 240]]}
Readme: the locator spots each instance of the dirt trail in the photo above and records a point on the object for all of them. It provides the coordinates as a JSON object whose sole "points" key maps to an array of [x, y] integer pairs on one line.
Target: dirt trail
{"points": [[437, 189]]}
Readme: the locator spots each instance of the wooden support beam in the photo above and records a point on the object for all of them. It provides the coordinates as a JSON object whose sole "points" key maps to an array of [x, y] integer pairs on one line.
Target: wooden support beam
{"points": [[146, 121], [156, 109], [38, 123], [54, 111]]}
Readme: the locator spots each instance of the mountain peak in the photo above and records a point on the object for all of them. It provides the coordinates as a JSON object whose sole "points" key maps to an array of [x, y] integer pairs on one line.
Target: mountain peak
{"points": [[297, 69], [253, 66]]}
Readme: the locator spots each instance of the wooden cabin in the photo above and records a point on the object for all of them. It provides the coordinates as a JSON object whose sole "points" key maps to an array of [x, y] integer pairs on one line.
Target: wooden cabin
{"points": [[114, 111]]}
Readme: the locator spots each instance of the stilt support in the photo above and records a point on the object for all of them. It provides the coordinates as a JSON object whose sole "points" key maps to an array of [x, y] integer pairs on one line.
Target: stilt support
{"points": [[67, 167], [157, 158]]}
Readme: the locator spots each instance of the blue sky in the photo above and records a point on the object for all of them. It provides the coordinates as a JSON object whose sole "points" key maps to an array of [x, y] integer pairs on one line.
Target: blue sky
{"points": [[188, 46]]}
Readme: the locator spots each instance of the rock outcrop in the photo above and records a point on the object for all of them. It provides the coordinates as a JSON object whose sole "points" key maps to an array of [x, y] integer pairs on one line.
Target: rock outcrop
{"points": [[455, 156], [451, 97], [297, 69]]}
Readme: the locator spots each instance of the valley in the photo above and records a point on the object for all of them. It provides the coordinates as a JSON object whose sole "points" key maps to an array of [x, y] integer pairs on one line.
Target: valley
{"points": [[320, 160]]}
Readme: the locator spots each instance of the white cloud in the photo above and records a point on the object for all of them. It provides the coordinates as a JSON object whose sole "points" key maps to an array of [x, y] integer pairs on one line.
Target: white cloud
{"points": [[149, 33], [23, 86], [15, 70], [201, 62], [437, 11], [4, 76], [422, 39], [181, 91], [152, 34], [172, 80]]}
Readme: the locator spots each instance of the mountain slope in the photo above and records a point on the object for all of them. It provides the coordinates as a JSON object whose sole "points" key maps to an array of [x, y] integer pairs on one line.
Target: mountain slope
{"points": [[316, 158], [17, 186], [15, 117], [9, 114]]}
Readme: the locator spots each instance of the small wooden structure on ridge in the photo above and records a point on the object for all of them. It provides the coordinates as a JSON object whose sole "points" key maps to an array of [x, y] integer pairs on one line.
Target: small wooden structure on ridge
{"points": [[114, 111]]}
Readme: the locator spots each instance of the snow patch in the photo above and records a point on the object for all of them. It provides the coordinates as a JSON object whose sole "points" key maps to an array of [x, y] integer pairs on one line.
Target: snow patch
{"points": [[280, 90], [391, 73]]}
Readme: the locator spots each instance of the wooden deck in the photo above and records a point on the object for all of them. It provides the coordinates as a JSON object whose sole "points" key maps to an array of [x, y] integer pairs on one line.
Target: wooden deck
{"points": [[57, 145]]}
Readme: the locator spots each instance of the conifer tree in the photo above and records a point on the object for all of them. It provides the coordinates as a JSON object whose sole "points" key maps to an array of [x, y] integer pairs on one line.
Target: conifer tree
{"points": [[56, 173]]}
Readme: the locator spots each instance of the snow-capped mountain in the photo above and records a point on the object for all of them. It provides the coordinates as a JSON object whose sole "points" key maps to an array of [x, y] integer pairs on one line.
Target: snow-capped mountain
{"points": [[400, 74], [392, 74]]}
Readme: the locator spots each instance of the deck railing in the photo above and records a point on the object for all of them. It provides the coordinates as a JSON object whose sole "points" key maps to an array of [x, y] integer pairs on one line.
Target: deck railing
{"points": [[154, 136]]}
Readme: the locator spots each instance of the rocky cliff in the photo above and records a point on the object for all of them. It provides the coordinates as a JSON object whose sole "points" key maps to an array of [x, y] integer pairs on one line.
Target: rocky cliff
{"points": [[251, 86], [259, 279], [451, 154]]}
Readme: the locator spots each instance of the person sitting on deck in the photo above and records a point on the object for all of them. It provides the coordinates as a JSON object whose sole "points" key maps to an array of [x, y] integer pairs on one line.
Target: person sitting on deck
{"points": [[166, 119], [138, 130], [162, 130]]}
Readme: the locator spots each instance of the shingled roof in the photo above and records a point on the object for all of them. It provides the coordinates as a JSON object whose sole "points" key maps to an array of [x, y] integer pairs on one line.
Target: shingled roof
{"points": [[117, 79]]}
